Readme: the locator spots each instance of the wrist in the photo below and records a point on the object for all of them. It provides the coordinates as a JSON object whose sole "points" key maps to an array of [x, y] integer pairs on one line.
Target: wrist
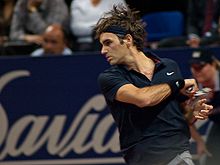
{"points": [[176, 86], [192, 121]]}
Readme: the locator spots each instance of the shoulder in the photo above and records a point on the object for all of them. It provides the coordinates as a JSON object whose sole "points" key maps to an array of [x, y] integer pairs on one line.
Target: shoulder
{"points": [[20, 5], [54, 4], [37, 52], [79, 3], [170, 64], [67, 51], [111, 80], [168, 61], [119, 2], [114, 72]]}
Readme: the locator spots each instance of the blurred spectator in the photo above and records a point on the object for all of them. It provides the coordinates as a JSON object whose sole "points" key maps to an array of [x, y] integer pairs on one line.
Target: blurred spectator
{"points": [[31, 18], [84, 15], [203, 22], [202, 25], [54, 42], [6, 11], [205, 69], [149, 6]]}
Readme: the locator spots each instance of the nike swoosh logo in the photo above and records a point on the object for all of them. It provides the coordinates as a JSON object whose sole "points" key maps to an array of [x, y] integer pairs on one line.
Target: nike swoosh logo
{"points": [[170, 73]]}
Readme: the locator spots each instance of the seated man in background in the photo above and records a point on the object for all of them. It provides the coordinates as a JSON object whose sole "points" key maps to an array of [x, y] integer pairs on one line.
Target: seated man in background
{"points": [[54, 42], [32, 17]]}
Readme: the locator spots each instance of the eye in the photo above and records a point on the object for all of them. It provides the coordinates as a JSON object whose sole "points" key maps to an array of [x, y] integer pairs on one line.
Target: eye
{"points": [[46, 40], [107, 42]]}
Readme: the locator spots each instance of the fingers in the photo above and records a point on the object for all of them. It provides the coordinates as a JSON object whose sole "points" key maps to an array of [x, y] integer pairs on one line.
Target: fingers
{"points": [[201, 101], [206, 109], [200, 117], [202, 110]]}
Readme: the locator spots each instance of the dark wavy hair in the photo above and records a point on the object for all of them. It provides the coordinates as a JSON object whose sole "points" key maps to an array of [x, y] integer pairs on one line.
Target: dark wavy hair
{"points": [[124, 18]]}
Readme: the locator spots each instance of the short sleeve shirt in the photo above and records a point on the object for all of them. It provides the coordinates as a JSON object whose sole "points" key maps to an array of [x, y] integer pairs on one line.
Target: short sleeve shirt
{"points": [[156, 124]]}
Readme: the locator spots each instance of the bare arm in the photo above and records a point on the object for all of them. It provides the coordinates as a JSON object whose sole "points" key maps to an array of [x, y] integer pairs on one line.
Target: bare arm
{"points": [[141, 97], [152, 95]]}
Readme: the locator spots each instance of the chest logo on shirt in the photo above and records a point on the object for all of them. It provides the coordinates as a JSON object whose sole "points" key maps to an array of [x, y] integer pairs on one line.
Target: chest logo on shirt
{"points": [[170, 73]]}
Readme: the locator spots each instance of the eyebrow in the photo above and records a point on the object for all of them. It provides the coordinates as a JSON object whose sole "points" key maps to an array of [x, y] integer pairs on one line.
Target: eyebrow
{"points": [[105, 41]]}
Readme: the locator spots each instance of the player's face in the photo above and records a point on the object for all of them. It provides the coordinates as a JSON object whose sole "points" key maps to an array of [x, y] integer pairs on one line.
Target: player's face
{"points": [[113, 49]]}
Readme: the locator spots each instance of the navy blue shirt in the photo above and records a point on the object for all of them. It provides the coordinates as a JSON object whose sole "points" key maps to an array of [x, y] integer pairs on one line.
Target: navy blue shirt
{"points": [[163, 126]]}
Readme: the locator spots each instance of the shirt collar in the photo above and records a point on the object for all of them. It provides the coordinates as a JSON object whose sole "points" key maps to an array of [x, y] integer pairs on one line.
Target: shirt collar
{"points": [[158, 61]]}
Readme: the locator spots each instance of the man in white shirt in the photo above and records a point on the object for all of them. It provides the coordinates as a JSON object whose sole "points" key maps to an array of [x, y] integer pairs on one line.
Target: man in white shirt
{"points": [[84, 16]]}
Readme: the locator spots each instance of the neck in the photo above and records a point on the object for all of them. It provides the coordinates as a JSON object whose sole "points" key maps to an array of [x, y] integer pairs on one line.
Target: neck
{"points": [[142, 64]]}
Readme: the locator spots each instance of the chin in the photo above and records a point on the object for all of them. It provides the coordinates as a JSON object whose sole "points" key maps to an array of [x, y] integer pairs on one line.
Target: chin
{"points": [[112, 63], [49, 53]]}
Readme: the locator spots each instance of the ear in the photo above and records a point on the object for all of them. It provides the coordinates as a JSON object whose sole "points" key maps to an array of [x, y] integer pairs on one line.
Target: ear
{"points": [[128, 40]]}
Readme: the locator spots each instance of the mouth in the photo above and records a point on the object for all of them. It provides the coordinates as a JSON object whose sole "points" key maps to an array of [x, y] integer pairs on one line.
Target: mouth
{"points": [[108, 58], [49, 52]]}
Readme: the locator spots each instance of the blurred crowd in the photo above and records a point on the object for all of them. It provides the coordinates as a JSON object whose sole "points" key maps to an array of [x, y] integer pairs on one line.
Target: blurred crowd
{"points": [[24, 23]]}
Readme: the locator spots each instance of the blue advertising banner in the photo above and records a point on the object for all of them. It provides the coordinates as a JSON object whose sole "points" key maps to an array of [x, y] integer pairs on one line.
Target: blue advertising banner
{"points": [[52, 112]]}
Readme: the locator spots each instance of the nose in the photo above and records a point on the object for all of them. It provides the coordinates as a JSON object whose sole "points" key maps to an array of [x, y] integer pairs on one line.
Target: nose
{"points": [[103, 50]]}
